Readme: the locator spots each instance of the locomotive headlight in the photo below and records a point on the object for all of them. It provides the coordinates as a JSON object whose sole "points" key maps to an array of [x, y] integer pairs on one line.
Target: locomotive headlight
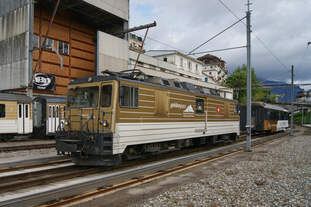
{"points": [[66, 123], [105, 123]]}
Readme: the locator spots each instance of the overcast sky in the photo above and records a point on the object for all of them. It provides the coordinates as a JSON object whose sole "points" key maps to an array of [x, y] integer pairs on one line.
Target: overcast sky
{"points": [[284, 26]]}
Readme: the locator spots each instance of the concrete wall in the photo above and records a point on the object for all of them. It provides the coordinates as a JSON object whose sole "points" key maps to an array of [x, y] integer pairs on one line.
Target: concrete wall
{"points": [[14, 44], [119, 8], [112, 53]]}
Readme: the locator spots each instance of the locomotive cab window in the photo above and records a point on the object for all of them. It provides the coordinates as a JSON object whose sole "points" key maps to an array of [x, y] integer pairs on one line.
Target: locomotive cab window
{"points": [[128, 97], [2, 110], [106, 95], [199, 106], [83, 97]]}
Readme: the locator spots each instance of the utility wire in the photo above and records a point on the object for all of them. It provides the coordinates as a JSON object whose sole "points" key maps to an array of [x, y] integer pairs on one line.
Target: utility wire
{"points": [[229, 48], [216, 35], [160, 42], [261, 41]]}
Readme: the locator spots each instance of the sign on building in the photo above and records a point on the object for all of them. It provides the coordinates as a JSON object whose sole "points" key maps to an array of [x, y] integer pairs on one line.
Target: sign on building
{"points": [[44, 82]]}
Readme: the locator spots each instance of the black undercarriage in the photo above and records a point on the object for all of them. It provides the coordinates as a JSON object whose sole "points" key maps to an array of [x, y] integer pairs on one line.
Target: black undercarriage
{"points": [[96, 149]]}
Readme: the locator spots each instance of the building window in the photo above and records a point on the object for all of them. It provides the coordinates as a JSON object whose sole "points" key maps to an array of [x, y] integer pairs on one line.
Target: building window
{"points": [[206, 79], [189, 65], [181, 62], [2, 110], [48, 44], [165, 59], [128, 97], [106, 95], [35, 41], [63, 47], [199, 106]]}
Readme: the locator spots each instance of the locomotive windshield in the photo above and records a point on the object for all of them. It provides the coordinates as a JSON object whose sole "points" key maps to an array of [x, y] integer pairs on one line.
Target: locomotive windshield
{"points": [[83, 97]]}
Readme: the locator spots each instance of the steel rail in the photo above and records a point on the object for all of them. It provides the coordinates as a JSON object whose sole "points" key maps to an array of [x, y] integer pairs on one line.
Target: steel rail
{"points": [[34, 163], [27, 147], [110, 179]]}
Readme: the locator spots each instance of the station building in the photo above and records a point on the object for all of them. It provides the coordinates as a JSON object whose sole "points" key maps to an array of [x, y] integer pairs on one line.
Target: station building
{"points": [[84, 39]]}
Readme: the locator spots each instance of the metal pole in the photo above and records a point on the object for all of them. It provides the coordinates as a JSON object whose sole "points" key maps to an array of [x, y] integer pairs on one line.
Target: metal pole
{"points": [[249, 82], [141, 49], [30, 49], [302, 116], [292, 103]]}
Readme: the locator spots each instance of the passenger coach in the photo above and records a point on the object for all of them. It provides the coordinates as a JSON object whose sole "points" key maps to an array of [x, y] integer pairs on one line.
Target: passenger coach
{"points": [[109, 117], [266, 118], [15, 114]]}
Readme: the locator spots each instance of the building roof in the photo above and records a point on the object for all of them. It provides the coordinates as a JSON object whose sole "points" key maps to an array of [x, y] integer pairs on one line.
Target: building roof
{"points": [[159, 53], [211, 58], [15, 97]]}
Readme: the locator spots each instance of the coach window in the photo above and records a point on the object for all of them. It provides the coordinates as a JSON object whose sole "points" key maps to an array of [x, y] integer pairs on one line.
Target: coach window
{"points": [[199, 106], [106, 95], [26, 111], [2, 110], [128, 97]]}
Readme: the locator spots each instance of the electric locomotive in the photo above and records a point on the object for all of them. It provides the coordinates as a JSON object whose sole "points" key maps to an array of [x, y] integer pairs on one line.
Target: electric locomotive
{"points": [[126, 115]]}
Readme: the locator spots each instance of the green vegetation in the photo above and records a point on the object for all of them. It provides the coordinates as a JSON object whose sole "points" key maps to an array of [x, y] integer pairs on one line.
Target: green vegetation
{"points": [[298, 117], [238, 81]]}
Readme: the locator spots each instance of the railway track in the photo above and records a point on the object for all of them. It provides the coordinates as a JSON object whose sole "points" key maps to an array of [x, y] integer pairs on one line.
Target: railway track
{"points": [[27, 147], [103, 180]]}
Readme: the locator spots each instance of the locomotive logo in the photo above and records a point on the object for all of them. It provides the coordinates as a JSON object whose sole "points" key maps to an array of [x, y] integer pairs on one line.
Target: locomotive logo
{"points": [[189, 112], [189, 109], [218, 109]]}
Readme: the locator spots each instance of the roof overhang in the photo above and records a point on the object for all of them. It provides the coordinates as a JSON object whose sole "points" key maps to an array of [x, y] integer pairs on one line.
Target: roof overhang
{"points": [[90, 14]]}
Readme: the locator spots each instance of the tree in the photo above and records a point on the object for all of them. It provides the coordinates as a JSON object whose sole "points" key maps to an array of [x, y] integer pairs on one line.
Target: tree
{"points": [[238, 81]]}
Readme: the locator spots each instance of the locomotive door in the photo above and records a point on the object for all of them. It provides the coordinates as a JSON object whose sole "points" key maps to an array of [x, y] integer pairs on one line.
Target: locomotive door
{"points": [[23, 120], [53, 120], [106, 108]]}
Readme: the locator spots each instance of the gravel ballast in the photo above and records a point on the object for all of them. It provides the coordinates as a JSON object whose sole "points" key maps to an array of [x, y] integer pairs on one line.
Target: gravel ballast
{"points": [[279, 175]]}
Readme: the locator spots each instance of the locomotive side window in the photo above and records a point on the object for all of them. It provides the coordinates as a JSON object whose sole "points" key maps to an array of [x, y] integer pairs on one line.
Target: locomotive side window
{"points": [[2, 110], [199, 106], [106, 95], [128, 97]]}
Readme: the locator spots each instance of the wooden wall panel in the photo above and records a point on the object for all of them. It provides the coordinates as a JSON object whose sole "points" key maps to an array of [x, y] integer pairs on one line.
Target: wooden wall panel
{"points": [[83, 46], [80, 62], [53, 69], [57, 32], [83, 37], [83, 64], [76, 73], [82, 54], [51, 57]]}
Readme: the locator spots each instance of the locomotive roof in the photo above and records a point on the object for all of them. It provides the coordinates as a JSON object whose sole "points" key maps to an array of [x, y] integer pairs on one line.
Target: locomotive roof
{"points": [[15, 97], [270, 106], [100, 78]]}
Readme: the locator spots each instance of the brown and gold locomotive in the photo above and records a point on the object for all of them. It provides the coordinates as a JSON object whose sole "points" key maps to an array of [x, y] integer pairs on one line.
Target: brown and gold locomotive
{"points": [[122, 115]]}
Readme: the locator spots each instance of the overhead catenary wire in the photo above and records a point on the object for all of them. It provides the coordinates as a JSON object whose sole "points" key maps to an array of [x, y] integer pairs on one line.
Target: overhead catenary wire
{"points": [[224, 49], [160, 42], [261, 41], [216, 35]]}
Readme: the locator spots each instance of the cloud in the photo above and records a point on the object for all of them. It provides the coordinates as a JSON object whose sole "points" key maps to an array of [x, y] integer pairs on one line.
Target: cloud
{"points": [[283, 26]]}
